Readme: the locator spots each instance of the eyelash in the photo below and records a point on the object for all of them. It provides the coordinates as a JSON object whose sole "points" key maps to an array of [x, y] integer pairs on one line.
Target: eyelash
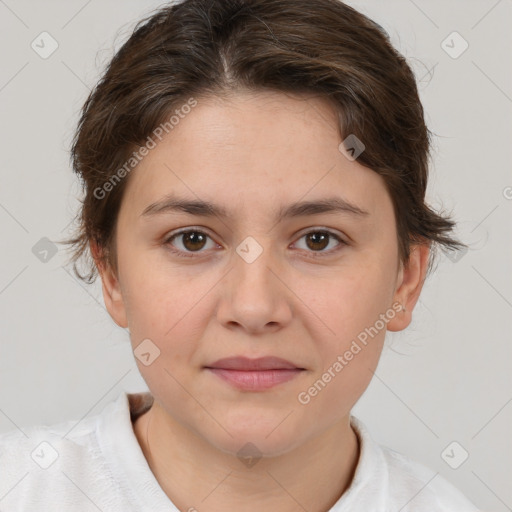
{"points": [[192, 254]]}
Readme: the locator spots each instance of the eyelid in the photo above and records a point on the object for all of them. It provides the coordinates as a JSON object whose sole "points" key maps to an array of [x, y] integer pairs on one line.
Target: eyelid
{"points": [[322, 229], [199, 229]]}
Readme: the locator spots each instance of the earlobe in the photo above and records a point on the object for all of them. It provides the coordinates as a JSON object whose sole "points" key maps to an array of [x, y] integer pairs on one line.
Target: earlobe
{"points": [[112, 294], [409, 285]]}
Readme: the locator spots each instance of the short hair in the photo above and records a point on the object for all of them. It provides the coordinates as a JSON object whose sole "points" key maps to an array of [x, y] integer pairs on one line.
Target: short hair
{"points": [[199, 48]]}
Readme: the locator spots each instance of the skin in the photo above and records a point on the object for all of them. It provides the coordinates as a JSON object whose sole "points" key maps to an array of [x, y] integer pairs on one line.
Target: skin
{"points": [[251, 153]]}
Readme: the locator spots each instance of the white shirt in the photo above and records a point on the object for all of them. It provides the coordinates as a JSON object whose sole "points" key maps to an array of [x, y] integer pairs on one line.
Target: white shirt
{"points": [[98, 464]]}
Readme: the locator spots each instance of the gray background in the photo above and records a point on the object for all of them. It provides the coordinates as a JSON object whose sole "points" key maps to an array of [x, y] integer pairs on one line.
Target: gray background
{"points": [[446, 378]]}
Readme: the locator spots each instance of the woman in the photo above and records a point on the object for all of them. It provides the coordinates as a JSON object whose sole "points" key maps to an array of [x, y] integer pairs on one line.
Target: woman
{"points": [[254, 176]]}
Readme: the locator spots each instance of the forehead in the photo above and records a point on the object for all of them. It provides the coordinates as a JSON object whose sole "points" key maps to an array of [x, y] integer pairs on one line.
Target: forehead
{"points": [[253, 151]]}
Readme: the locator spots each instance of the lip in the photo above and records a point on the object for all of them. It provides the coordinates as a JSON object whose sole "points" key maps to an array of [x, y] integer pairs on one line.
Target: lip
{"points": [[254, 374], [247, 364]]}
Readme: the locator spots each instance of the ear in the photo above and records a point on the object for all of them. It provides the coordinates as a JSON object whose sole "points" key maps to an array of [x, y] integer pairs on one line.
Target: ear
{"points": [[409, 285], [112, 294]]}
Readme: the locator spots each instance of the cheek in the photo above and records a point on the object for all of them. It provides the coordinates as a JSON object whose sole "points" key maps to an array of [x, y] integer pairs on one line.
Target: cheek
{"points": [[349, 355], [360, 310], [334, 392], [351, 341], [171, 310], [159, 297], [347, 303]]}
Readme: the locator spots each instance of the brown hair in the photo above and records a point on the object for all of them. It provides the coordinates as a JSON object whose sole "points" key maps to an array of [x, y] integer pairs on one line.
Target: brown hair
{"points": [[195, 48]]}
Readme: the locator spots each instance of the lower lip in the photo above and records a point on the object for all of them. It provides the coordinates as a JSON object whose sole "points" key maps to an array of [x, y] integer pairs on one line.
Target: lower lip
{"points": [[255, 380]]}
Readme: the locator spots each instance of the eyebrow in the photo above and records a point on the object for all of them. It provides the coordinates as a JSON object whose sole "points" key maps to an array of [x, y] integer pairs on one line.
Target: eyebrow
{"points": [[173, 204]]}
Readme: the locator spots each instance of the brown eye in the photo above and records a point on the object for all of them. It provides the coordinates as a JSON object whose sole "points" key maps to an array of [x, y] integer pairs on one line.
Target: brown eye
{"points": [[189, 241], [193, 240], [317, 241]]}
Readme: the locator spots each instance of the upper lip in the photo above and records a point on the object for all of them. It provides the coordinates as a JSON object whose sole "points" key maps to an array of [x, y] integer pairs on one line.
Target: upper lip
{"points": [[261, 363]]}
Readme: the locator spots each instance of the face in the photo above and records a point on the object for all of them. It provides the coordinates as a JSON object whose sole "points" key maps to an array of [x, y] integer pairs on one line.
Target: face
{"points": [[245, 281]]}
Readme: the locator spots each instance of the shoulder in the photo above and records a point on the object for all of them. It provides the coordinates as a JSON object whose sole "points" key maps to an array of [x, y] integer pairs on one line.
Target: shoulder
{"points": [[43, 445], [427, 487], [407, 484], [57, 464]]}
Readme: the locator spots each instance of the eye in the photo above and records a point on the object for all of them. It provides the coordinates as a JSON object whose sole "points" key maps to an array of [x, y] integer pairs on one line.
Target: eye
{"points": [[317, 240], [191, 241]]}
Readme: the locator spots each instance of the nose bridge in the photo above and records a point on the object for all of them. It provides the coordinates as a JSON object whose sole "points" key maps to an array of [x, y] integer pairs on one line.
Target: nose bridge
{"points": [[255, 296], [252, 263]]}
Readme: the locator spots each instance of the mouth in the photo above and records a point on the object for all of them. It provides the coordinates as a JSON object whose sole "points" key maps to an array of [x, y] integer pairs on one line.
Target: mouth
{"points": [[254, 374]]}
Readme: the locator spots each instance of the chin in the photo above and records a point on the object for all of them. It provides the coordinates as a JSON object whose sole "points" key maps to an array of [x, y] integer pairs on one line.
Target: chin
{"points": [[254, 438]]}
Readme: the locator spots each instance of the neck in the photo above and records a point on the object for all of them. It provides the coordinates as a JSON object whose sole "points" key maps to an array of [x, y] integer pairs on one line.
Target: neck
{"points": [[197, 476]]}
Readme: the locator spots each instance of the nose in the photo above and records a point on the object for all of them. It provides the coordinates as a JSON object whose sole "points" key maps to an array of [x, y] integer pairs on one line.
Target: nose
{"points": [[254, 295]]}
